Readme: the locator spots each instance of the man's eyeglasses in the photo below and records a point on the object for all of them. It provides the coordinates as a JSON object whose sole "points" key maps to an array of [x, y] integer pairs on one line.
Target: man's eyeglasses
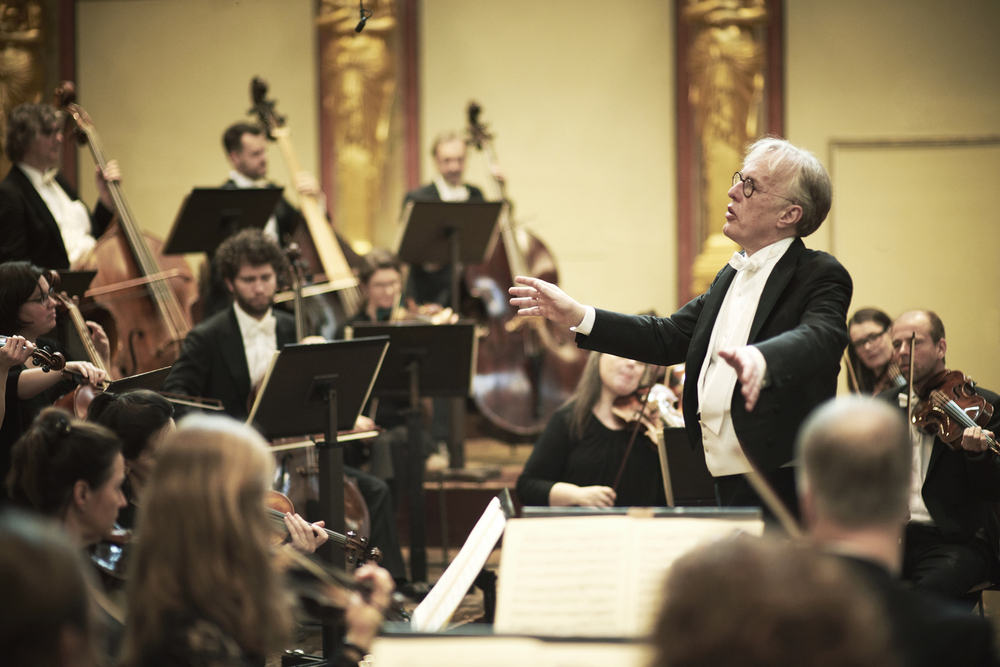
{"points": [[42, 299], [867, 340], [749, 188]]}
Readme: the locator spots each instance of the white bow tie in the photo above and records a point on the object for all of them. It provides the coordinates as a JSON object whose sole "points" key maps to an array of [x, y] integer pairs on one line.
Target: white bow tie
{"points": [[741, 262], [49, 176], [265, 327]]}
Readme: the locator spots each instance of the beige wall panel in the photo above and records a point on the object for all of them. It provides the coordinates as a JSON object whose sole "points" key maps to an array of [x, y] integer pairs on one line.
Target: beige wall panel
{"points": [[862, 70], [580, 96], [163, 78], [956, 241]]}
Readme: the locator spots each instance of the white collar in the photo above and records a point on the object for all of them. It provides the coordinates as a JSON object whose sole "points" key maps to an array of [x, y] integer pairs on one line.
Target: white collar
{"points": [[244, 182]]}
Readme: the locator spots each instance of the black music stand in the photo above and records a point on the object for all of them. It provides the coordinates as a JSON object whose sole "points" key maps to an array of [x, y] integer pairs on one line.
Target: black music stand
{"points": [[423, 360], [320, 388], [208, 216], [75, 283], [151, 380], [448, 233]]}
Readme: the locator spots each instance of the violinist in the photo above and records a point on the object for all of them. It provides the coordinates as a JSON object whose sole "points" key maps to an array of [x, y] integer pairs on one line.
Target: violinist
{"points": [[143, 419], [42, 217], [577, 458], [381, 282], [71, 471], [204, 589], [27, 309], [227, 355], [431, 283], [953, 536], [870, 352], [762, 345]]}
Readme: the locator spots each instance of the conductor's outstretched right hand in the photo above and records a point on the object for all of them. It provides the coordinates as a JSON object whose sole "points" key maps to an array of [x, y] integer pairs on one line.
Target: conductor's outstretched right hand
{"points": [[534, 297]]}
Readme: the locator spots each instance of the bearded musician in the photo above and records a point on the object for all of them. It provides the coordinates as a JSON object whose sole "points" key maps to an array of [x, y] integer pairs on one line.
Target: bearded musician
{"points": [[953, 536]]}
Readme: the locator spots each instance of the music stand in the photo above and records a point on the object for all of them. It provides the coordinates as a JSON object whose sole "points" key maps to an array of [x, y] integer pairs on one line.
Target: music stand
{"points": [[321, 388], [208, 216], [75, 283], [448, 233], [423, 360], [151, 380]]}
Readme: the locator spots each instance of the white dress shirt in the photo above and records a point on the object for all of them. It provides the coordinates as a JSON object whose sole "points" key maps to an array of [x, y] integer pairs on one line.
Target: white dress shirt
{"points": [[451, 192], [260, 341], [923, 445], [717, 380], [244, 183], [71, 215]]}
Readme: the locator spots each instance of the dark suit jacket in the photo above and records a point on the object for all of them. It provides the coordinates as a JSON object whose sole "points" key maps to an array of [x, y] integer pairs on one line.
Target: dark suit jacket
{"points": [[800, 327], [430, 192], [29, 230], [959, 489], [213, 361], [928, 631]]}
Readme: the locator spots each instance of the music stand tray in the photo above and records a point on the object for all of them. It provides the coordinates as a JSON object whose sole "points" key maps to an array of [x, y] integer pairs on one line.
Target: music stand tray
{"points": [[446, 354], [208, 216], [75, 283], [293, 402], [428, 229], [151, 380]]}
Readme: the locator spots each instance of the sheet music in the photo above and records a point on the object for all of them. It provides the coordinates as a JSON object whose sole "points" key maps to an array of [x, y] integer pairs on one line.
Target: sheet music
{"points": [[562, 578], [660, 545], [594, 576], [437, 608], [503, 651]]}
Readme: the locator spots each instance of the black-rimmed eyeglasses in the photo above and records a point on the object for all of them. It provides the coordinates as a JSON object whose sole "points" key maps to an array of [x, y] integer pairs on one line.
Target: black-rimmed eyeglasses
{"points": [[749, 188], [862, 343]]}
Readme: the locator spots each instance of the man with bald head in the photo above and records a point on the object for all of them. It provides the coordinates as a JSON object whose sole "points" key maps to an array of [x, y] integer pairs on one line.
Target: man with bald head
{"points": [[853, 479], [762, 345], [953, 536]]}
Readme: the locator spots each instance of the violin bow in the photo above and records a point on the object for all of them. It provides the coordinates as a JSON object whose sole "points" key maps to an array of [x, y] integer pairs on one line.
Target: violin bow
{"points": [[851, 376], [909, 385], [763, 488]]}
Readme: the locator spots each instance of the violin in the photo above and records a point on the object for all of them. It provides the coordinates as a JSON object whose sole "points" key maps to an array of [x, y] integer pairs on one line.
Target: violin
{"points": [[948, 405], [43, 357], [357, 549], [111, 554], [77, 401], [323, 585]]}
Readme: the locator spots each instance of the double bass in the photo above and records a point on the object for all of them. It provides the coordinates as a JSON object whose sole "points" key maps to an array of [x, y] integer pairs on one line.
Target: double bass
{"points": [[526, 367], [148, 294]]}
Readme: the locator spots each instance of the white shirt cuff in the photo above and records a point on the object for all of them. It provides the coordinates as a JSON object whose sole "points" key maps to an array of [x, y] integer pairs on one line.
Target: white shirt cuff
{"points": [[587, 325]]}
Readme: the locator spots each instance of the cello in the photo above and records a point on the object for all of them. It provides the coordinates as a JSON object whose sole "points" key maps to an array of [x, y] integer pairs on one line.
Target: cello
{"points": [[526, 368], [148, 294]]}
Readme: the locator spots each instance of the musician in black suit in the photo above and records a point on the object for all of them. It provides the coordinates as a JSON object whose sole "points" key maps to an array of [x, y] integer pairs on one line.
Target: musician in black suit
{"points": [[41, 214], [854, 482], [762, 346], [953, 535], [246, 149], [227, 355], [431, 283]]}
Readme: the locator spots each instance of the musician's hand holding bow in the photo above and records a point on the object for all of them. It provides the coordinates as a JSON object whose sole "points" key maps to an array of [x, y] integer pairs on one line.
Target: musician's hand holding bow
{"points": [[85, 371], [100, 339], [538, 298], [364, 617], [974, 439]]}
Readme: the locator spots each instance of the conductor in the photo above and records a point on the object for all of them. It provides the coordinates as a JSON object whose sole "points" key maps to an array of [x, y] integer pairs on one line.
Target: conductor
{"points": [[762, 345]]}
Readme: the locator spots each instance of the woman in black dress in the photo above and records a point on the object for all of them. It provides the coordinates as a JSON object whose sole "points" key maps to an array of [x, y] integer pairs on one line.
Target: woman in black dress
{"points": [[578, 456]]}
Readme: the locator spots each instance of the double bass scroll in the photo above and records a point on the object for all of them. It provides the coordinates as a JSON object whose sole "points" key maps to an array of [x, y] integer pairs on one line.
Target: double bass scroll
{"points": [[151, 306]]}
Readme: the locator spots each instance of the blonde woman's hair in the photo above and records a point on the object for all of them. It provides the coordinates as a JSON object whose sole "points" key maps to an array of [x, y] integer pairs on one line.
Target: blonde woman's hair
{"points": [[204, 541]]}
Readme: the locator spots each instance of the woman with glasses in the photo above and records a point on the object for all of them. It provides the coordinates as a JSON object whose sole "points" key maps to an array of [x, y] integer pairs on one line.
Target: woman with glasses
{"points": [[870, 353], [28, 310]]}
